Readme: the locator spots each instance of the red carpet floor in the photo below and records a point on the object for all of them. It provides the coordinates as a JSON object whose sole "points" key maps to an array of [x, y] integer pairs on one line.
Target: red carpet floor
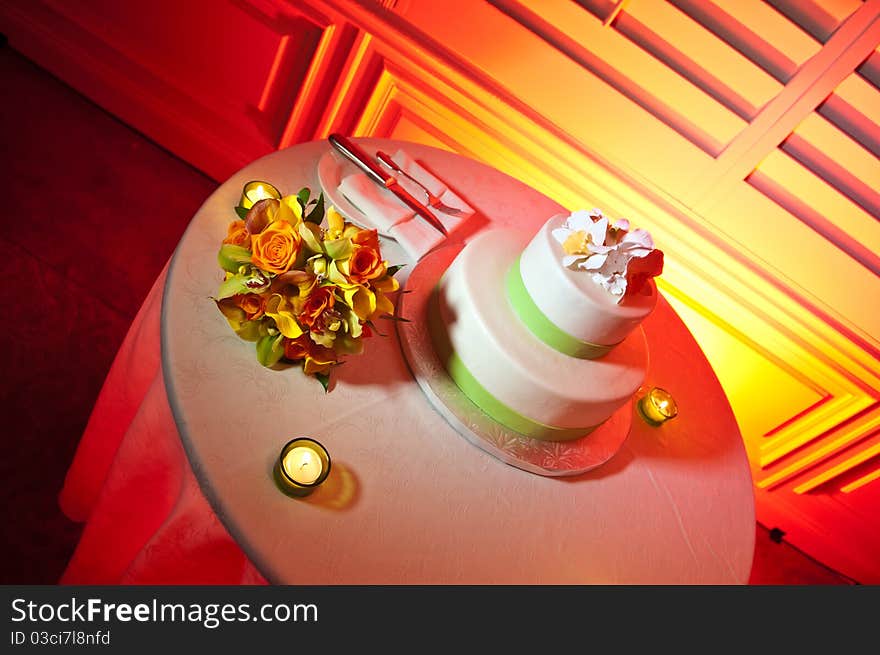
{"points": [[92, 211]]}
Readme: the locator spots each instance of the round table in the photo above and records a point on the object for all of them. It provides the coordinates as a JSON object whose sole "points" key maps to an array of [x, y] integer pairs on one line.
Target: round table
{"points": [[409, 500]]}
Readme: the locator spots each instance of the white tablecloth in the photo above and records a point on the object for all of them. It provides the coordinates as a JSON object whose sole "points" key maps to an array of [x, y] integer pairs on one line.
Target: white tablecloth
{"points": [[174, 471]]}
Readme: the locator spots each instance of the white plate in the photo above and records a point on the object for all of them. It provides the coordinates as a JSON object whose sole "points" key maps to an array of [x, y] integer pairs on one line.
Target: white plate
{"points": [[331, 169]]}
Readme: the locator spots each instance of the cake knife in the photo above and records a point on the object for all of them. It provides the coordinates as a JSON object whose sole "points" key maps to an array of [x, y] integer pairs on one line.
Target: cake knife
{"points": [[378, 174]]}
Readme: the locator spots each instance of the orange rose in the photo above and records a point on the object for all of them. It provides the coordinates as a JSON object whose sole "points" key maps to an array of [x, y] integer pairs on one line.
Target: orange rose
{"points": [[252, 304], [365, 263], [318, 359], [237, 235], [367, 238], [318, 300], [275, 248]]}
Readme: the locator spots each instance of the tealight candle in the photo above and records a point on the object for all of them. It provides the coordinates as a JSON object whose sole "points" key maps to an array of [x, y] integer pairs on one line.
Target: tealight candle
{"points": [[255, 191], [657, 406], [302, 465]]}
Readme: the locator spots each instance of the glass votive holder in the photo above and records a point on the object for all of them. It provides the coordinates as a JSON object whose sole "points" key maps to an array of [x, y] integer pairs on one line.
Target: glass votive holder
{"points": [[302, 465], [257, 190], [657, 406]]}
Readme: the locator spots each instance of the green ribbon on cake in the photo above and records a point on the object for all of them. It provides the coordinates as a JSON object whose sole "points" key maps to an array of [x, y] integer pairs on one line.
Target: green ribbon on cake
{"points": [[541, 326], [478, 394]]}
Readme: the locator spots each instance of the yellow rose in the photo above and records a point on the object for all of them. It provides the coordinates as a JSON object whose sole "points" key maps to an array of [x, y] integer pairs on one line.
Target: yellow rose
{"points": [[275, 249]]}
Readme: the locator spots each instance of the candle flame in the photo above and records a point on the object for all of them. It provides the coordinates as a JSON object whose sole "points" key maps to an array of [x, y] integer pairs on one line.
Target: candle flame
{"points": [[658, 406], [300, 462], [259, 192]]}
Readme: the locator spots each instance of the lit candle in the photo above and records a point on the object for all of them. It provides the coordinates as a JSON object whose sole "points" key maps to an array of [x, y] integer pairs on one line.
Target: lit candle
{"points": [[255, 191], [302, 465], [657, 406]]}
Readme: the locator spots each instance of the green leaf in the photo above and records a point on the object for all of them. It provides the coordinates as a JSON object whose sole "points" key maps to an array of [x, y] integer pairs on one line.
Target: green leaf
{"points": [[324, 379], [393, 269], [270, 349], [303, 196], [241, 211], [373, 327], [339, 248], [233, 286], [390, 317], [317, 214], [231, 257]]}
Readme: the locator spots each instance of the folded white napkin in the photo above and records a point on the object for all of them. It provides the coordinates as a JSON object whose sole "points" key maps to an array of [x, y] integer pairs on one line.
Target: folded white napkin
{"points": [[387, 213]]}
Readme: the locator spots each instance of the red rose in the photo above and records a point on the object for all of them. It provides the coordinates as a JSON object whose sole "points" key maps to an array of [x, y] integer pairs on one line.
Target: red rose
{"points": [[641, 269]]}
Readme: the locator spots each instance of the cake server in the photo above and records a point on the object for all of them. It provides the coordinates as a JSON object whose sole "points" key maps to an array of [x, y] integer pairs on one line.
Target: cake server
{"points": [[378, 174]]}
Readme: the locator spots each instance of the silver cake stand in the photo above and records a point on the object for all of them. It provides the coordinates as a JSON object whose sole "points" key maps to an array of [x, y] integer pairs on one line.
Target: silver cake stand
{"points": [[550, 458]]}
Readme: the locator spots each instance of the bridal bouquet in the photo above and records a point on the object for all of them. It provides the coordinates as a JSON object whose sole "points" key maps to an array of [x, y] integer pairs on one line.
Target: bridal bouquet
{"points": [[304, 293]]}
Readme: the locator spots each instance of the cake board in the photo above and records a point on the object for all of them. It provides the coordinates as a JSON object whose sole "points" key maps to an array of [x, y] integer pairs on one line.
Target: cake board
{"points": [[547, 458]]}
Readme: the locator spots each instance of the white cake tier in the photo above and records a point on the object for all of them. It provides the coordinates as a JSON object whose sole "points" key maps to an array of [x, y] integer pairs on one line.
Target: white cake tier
{"points": [[513, 367], [571, 300]]}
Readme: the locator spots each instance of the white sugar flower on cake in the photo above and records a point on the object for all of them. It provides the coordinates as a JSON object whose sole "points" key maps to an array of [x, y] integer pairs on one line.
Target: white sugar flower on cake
{"points": [[618, 259]]}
